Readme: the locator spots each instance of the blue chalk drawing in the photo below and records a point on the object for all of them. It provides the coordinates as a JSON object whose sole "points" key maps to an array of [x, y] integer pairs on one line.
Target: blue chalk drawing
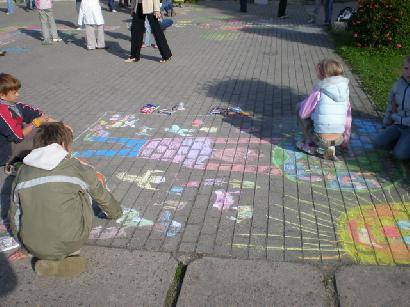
{"points": [[132, 150]]}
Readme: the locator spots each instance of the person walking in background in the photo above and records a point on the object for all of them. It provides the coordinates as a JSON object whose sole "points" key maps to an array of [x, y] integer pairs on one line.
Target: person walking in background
{"points": [[243, 6], [30, 4], [316, 11], [111, 6], [91, 16], [123, 3], [151, 10], [282, 9], [77, 9], [328, 12], [148, 35], [48, 24], [10, 7]]}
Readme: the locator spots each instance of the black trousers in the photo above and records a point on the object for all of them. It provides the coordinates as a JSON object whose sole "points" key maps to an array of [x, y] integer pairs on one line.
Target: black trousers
{"points": [[244, 5], [282, 8], [137, 34]]}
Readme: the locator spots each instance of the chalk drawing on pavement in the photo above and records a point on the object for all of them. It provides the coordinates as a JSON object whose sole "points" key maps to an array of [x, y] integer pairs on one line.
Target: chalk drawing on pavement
{"points": [[145, 181], [377, 234], [224, 200], [101, 233]]}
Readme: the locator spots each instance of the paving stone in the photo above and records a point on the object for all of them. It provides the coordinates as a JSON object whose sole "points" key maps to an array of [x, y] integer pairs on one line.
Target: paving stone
{"points": [[134, 276], [373, 286], [251, 283]]}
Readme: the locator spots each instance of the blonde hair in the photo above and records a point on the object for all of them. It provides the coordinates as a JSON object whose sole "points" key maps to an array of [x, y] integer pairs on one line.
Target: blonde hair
{"points": [[329, 68]]}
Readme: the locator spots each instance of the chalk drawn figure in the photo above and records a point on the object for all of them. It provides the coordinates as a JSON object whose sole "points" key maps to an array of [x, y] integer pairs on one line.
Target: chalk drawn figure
{"points": [[102, 233], [237, 184], [171, 205], [191, 152], [166, 225], [244, 213], [224, 200], [197, 123], [178, 190], [144, 131], [132, 217], [370, 234], [145, 181], [180, 131], [209, 129], [358, 171]]}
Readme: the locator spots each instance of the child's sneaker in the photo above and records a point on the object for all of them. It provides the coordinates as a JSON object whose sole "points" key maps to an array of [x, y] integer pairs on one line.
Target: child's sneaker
{"points": [[68, 267], [330, 153], [57, 39]]}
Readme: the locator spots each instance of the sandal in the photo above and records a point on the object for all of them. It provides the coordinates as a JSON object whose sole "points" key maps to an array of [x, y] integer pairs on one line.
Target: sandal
{"points": [[131, 60], [165, 60]]}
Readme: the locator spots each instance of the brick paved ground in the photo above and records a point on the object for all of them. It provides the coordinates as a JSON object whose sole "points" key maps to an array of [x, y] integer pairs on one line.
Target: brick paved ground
{"points": [[198, 183]]}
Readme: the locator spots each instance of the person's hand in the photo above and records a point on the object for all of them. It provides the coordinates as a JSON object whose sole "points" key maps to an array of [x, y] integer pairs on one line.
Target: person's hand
{"points": [[157, 15]]}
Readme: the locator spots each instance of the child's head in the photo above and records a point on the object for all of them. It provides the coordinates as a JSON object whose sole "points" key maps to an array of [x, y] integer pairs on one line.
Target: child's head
{"points": [[406, 68], [9, 87], [328, 68], [56, 132]]}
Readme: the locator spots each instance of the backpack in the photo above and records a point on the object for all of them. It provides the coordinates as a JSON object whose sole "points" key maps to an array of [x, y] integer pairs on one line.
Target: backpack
{"points": [[346, 14]]}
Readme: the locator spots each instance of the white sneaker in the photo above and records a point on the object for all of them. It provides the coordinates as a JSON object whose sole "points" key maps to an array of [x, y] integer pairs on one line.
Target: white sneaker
{"points": [[113, 11], [330, 153], [57, 39]]}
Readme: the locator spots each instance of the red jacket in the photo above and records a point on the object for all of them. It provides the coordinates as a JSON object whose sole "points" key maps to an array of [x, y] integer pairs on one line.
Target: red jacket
{"points": [[12, 120]]}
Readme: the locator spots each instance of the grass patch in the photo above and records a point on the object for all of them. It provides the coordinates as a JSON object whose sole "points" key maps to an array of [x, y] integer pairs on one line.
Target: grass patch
{"points": [[377, 69], [175, 288]]}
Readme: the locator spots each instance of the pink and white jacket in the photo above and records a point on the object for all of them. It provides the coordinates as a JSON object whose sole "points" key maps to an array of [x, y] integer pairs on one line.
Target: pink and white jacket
{"points": [[44, 4], [308, 105]]}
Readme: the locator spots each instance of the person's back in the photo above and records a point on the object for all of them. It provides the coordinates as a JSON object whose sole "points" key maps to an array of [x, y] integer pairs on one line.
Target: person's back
{"points": [[52, 191], [330, 113]]}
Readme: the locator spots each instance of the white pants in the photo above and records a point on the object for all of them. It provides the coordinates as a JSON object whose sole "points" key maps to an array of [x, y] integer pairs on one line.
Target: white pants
{"points": [[92, 41]]}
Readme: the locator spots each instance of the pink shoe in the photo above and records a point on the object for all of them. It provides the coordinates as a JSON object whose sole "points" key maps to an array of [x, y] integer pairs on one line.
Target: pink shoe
{"points": [[143, 46], [154, 46]]}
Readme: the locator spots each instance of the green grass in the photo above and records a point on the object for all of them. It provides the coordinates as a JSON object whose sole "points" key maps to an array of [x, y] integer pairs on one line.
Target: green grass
{"points": [[377, 69]]}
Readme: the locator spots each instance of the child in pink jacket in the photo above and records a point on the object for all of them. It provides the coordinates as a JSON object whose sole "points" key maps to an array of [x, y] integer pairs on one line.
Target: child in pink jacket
{"points": [[48, 24]]}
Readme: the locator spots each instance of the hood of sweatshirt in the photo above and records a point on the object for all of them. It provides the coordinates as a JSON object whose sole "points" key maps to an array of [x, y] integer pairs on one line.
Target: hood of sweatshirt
{"points": [[47, 158], [336, 87]]}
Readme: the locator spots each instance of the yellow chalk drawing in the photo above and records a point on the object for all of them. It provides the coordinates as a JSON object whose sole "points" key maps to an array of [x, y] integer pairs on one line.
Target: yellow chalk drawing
{"points": [[244, 213], [238, 184], [209, 129], [145, 181], [377, 234]]}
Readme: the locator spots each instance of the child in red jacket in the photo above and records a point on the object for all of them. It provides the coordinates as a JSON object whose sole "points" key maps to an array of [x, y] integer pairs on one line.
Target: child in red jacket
{"points": [[17, 121]]}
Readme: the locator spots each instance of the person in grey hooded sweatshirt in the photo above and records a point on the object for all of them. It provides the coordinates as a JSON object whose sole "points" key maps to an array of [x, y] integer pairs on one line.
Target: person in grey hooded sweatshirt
{"points": [[51, 212], [396, 122]]}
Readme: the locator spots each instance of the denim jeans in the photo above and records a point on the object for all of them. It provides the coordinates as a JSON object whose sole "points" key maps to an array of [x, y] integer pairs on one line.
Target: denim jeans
{"points": [[10, 7], [30, 4], [111, 4], [147, 35], [396, 138], [328, 11]]}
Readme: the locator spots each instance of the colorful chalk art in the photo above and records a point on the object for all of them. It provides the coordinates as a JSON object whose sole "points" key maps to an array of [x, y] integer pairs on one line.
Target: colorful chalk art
{"points": [[369, 224], [377, 234]]}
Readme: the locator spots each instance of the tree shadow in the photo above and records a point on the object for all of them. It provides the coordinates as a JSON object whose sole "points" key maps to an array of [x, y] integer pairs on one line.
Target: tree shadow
{"points": [[308, 35], [8, 278]]}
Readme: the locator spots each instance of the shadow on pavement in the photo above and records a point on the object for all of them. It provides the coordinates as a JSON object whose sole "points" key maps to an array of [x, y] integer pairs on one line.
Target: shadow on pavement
{"points": [[8, 278]]}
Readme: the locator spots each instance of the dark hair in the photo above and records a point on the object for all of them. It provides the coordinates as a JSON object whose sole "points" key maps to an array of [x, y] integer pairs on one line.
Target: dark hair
{"points": [[8, 83], [49, 133]]}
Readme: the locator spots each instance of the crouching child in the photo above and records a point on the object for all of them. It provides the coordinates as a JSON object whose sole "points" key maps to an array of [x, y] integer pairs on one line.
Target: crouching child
{"points": [[325, 115], [51, 211]]}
